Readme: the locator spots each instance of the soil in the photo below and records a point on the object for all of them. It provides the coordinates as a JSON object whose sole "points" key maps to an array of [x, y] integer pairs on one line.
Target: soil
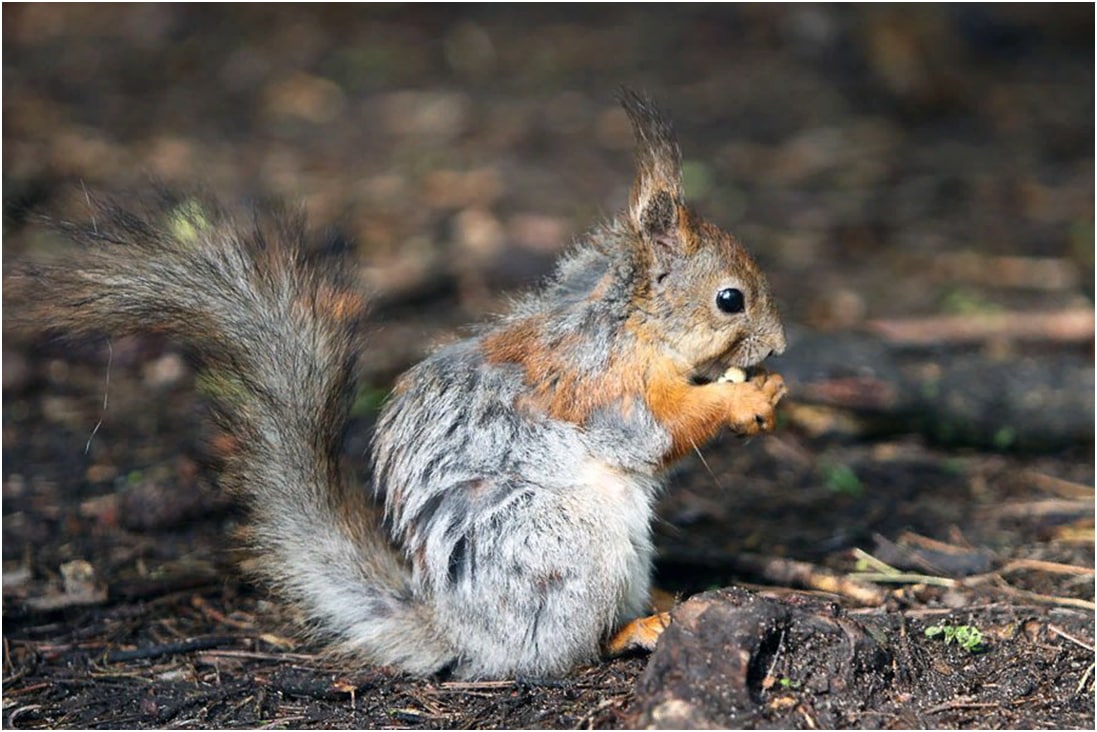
{"points": [[917, 183]]}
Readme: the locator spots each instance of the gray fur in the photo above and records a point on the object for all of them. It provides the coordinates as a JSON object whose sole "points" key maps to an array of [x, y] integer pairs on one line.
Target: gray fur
{"points": [[528, 564]]}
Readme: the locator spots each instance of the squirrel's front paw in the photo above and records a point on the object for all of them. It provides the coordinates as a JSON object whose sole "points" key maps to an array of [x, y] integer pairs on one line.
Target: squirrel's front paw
{"points": [[753, 403]]}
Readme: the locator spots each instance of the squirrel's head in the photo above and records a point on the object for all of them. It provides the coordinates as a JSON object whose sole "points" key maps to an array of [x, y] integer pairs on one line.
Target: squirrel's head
{"points": [[699, 294]]}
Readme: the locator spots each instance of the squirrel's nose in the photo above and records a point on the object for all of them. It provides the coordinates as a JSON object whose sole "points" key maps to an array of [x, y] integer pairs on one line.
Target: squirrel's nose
{"points": [[777, 342]]}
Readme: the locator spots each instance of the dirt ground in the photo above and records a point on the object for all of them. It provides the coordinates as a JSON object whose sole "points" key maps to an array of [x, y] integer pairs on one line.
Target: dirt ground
{"points": [[917, 182]]}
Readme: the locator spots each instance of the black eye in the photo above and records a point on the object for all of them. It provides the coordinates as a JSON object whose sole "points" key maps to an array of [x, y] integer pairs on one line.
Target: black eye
{"points": [[731, 300]]}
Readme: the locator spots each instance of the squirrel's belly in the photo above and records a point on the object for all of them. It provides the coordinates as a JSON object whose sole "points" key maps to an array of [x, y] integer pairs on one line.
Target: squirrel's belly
{"points": [[622, 501], [554, 576]]}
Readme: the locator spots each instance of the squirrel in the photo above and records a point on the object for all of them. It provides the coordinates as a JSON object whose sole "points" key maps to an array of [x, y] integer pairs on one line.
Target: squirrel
{"points": [[506, 530]]}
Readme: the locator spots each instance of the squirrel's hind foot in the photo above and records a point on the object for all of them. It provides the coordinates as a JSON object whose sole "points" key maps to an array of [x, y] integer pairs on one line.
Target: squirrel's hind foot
{"points": [[638, 635]]}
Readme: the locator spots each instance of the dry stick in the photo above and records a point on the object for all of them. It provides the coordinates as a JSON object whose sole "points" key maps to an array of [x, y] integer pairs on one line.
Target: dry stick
{"points": [[202, 605], [1005, 587], [1061, 486], [431, 706], [28, 689], [1045, 507], [408, 714], [10, 663], [284, 722], [1063, 634], [1075, 325], [164, 590], [169, 649], [903, 578], [961, 703], [475, 685], [1078, 532], [1077, 641], [1047, 599], [909, 537], [792, 573], [865, 559], [259, 656], [1045, 566], [930, 612], [20, 711], [1084, 679], [885, 573]]}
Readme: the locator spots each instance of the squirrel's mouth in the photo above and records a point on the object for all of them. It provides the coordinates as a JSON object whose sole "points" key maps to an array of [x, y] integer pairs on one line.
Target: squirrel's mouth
{"points": [[719, 370], [740, 362]]}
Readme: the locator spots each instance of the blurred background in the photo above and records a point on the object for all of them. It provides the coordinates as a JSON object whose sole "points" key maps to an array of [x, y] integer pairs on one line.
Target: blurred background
{"points": [[879, 161]]}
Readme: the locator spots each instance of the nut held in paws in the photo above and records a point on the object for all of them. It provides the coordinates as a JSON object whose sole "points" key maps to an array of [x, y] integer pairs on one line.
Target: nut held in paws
{"points": [[734, 375]]}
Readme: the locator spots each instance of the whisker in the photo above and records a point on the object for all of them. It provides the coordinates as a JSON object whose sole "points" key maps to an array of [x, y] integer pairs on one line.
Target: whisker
{"points": [[715, 480], [106, 395]]}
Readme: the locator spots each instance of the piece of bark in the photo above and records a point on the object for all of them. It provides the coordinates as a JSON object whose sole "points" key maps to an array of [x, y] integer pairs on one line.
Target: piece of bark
{"points": [[730, 659]]}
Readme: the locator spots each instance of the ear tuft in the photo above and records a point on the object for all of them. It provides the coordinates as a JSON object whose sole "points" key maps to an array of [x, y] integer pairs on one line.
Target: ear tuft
{"points": [[659, 217], [657, 194]]}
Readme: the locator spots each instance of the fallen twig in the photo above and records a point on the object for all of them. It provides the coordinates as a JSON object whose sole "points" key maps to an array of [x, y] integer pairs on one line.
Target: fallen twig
{"points": [[866, 560], [1064, 488], [1085, 677], [1063, 634], [910, 537], [169, 649], [1077, 532], [202, 605], [903, 578], [1046, 507], [1041, 565], [1046, 599], [962, 703], [475, 685], [802, 574], [295, 658], [885, 573]]}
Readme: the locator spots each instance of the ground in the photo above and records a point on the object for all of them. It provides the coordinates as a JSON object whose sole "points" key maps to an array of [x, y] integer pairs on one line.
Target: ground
{"points": [[917, 183]]}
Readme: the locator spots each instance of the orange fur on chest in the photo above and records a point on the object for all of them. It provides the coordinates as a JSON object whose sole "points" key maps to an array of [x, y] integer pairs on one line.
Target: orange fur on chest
{"points": [[691, 414]]}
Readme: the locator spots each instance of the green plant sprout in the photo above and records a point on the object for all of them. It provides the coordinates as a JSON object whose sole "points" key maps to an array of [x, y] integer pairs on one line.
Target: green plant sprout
{"points": [[967, 637], [841, 479]]}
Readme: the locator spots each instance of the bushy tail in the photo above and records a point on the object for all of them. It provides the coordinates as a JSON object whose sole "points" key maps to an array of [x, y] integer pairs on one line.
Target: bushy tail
{"points": [[278, 336]]}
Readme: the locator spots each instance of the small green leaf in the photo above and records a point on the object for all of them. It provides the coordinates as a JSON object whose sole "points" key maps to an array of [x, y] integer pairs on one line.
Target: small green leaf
{"points": [[842, 479], [967, 637], [1004, 438]]}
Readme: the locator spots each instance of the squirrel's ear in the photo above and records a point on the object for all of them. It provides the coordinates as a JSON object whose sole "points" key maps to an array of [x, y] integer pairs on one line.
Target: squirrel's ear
{"points": [[657, 193]]}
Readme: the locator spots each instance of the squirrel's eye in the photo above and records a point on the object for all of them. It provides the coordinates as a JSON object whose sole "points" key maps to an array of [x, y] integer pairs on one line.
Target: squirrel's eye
{"points": [[731, 300]]}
